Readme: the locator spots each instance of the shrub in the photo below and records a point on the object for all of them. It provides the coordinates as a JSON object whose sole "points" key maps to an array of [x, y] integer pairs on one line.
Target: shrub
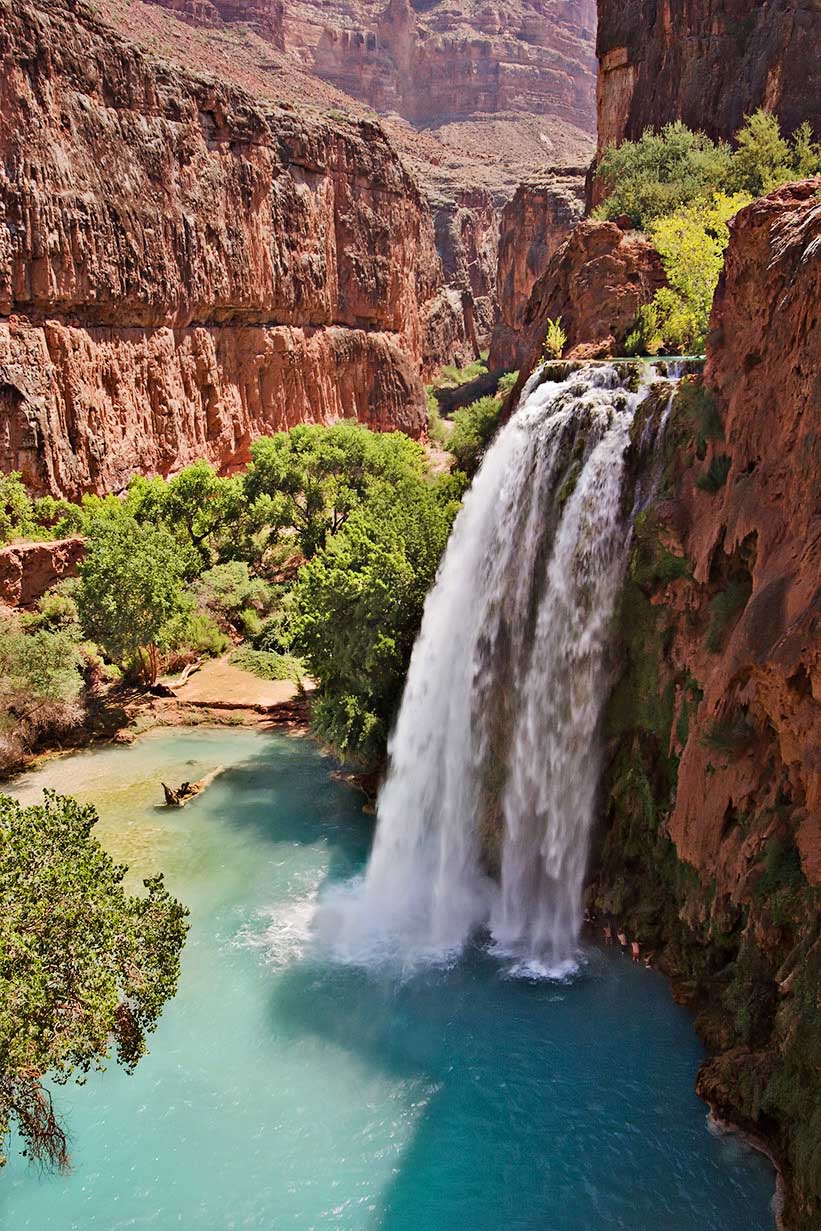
{"points": [[232, 595], [506, 382], [269, 665], [645, 338], [473, 429], [725, 608], [17, 518], [715, 476], [555, 340], [194, 632], [764, 159]]}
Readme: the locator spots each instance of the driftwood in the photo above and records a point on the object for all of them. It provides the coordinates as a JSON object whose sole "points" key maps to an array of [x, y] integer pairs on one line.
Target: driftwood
{"points": [[180, 796]]}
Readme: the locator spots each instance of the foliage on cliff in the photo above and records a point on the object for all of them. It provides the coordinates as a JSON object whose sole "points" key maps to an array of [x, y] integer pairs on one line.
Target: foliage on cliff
{"points": [[683, 189], [85, 969]]}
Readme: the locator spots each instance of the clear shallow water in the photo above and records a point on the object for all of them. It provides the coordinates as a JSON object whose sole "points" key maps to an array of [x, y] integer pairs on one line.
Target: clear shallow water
{"points": [[285, 1092]]}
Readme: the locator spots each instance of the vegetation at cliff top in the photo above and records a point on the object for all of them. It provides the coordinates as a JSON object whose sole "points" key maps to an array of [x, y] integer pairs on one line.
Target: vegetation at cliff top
{"points": [[683, 189], [85, 969]]}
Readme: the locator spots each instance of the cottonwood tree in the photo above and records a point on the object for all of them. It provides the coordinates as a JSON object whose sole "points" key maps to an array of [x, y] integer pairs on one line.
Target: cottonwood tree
{"points": [[85, 969], [131, 587]]}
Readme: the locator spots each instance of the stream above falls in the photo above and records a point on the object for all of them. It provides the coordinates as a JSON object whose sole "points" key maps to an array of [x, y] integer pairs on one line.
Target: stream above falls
{"points": [[287, 1090]]}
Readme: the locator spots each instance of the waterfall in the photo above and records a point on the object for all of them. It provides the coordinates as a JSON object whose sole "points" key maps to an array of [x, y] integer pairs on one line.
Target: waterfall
{"points": [[485, 815]]}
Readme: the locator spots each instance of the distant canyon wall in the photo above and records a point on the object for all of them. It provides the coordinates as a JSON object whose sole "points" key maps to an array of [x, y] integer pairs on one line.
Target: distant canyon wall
{"points": [[706, 62], [533, 226], [182, 268]]}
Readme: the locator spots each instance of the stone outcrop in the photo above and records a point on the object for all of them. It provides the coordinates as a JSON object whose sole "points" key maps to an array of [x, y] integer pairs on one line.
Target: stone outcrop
{"points": [[182, 268], [533, 225], [595, 283], [706, 62], [27, 570], [711, 850]]}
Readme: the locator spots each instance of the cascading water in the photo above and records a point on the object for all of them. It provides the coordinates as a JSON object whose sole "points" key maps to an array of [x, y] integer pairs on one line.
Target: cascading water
{"points": [[485, 816]]}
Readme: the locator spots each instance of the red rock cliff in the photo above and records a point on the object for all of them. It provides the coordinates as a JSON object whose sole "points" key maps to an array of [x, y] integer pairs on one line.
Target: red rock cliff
{"points": [[533, 225], [706, 62], [712, 845], [595, 283], [182, 269]]}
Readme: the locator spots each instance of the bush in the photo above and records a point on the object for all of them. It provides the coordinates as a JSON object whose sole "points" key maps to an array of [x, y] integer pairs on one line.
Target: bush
{"points": [[660, 173], [506, 382], [269, 665], [725, 609], [17, 518], [473, 429], [233, 596], [715, 476], [194, 632], [555, 340]]}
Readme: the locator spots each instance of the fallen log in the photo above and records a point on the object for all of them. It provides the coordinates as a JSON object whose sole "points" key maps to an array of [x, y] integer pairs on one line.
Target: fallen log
{"points": [[178, 797]]}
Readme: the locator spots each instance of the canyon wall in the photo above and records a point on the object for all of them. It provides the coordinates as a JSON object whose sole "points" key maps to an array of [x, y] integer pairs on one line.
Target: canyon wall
{"points": [[437, 64], [706, 62], [533, 225], [182, 268], [711, 846]]}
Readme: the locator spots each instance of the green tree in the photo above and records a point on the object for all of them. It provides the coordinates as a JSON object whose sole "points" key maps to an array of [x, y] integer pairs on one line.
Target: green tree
{"points": [[131, 586], [197, 505], [357, 607], [84, 968], [307, 481], [660, 173], [762, 159], [691, 242]]}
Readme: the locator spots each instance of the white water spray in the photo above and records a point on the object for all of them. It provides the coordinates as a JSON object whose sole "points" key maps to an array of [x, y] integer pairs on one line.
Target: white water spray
{"points": [[485, 816]]}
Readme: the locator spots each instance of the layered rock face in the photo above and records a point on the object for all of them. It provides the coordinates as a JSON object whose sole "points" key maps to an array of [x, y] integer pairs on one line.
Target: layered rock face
{"points": [[595, 282], [265, 15], [438, 64], [533, 226], [706, 62], [712, 844], [182, 269]]}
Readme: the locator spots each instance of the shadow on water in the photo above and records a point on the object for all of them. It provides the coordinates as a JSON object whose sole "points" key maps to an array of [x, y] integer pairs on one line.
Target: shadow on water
{"points": [[285, 800], [560, 1107]]}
